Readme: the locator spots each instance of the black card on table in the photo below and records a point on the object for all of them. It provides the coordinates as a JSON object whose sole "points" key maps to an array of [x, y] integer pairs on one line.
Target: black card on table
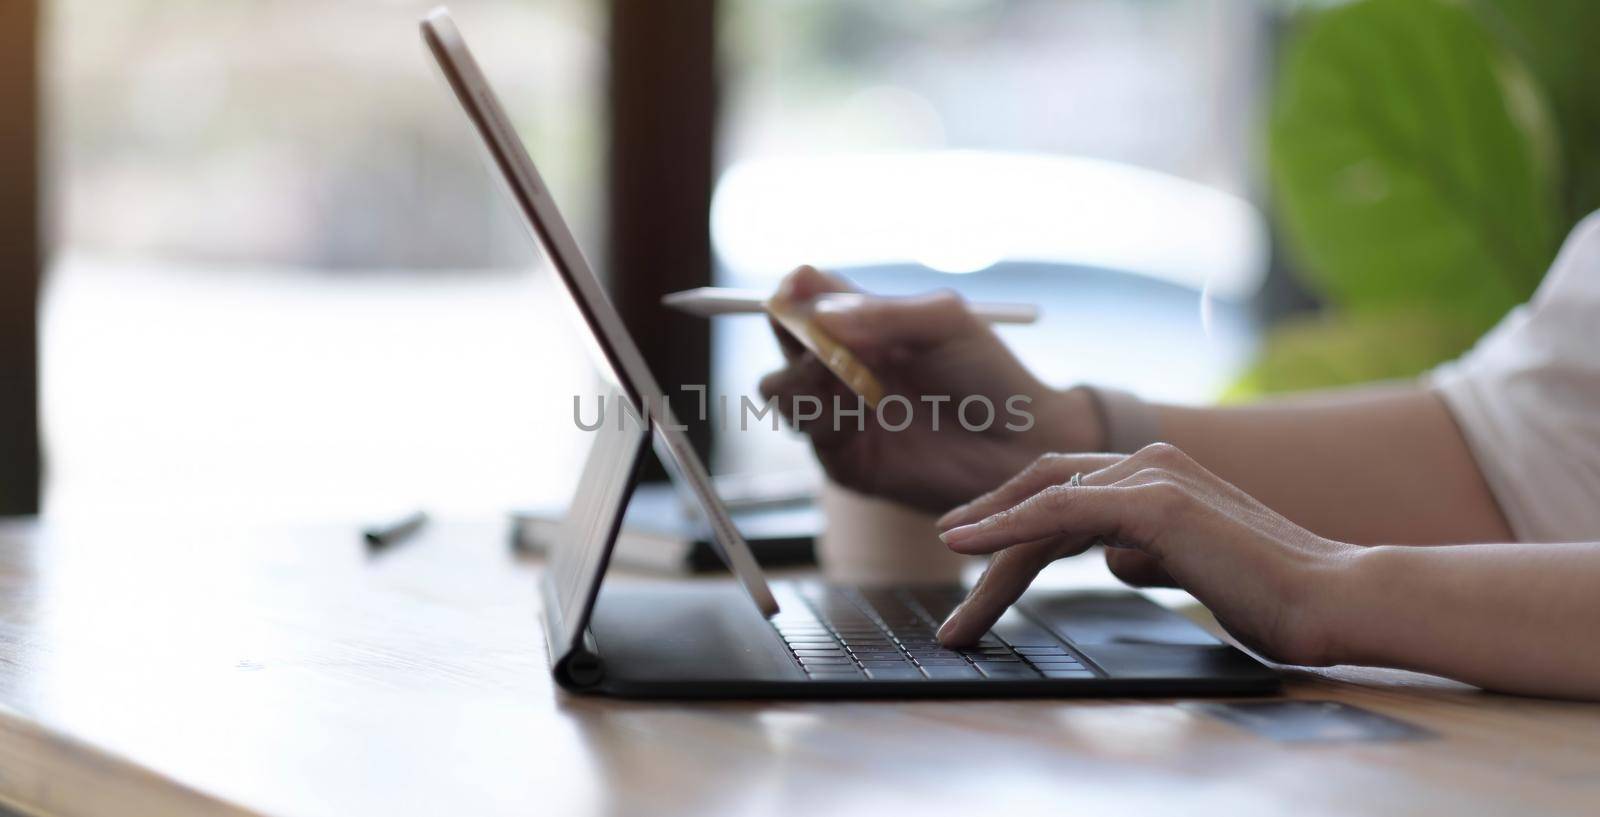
{"points": [[1296, 721]]}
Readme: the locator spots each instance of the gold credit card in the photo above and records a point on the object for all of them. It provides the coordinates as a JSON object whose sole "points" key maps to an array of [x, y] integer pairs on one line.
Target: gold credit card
{"points": [[796, 318]]}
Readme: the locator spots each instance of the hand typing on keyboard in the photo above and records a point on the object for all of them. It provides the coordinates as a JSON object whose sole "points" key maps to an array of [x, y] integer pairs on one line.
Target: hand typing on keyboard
{"points": [[1171, 522]]}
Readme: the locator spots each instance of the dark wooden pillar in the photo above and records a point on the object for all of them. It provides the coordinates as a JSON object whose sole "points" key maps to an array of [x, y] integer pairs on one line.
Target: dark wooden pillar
{"points": [[20, 257], [660, 169]]}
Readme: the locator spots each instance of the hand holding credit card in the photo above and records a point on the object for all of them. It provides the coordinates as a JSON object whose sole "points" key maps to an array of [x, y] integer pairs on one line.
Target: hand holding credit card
{"points": [[797, 317]]}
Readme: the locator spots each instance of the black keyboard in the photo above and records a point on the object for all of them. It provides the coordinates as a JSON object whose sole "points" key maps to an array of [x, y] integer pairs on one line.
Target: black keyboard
{"points": [[855, 634]]}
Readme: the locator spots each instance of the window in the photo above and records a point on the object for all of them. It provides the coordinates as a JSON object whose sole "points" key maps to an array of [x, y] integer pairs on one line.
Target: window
{"points": [[1088, 155], [285, 285]]}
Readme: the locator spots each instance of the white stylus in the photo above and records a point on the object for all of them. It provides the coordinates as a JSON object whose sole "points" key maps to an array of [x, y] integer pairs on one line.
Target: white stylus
{"points": [[709, 301]]}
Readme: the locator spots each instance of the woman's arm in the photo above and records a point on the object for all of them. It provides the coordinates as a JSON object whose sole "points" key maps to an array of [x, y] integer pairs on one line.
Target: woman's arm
{"points": [[1381, 464], [1514, 618]]}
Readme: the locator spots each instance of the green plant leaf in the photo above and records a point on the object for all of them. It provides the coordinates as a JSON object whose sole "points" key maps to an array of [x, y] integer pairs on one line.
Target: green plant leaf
{"points": [[1407, 174], [1557, 39]]}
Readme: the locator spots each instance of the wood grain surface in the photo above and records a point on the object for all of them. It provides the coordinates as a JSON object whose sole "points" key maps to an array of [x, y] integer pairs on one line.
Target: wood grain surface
{"points": [[182, 670]]}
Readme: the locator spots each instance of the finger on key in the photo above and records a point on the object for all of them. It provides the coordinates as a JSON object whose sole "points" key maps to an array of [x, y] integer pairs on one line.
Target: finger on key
{"points": [[1007, 576]]}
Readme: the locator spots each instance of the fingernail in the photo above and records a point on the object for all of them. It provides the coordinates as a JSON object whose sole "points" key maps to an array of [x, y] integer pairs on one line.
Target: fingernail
{"points": [[959, 535], [948, 628], [950, 636]]}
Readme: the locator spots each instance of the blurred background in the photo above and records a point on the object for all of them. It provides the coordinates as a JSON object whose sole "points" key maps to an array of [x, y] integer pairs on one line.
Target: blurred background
{"points": [[277, 280]]}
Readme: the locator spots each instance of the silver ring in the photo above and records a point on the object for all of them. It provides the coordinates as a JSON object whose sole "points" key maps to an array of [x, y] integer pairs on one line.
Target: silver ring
{"points": [[1077, 482]]}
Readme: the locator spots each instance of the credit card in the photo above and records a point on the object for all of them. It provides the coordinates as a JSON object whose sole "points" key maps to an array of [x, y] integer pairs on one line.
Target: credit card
{"points": [[797, 318]]}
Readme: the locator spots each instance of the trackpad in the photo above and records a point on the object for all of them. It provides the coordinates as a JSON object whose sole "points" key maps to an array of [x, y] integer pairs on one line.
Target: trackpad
{"points": [[1130, 636], [1113, 617]]}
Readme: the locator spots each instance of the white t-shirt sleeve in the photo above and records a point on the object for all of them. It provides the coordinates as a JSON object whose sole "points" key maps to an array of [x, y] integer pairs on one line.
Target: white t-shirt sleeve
{"points": [[1527, 398]]}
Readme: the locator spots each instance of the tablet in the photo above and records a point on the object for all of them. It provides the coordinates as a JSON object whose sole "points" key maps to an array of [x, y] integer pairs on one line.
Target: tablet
{"points": [[600, 318]]}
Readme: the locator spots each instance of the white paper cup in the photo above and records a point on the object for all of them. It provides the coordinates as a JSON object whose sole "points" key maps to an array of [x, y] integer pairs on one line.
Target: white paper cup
{"points": [[866, 540]]}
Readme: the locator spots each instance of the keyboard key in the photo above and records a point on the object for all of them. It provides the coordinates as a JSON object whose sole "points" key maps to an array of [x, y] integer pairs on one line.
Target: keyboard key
{"points": [[941, 662], [810, 661], [882, 661], [1061, 661], [1053, 672], [1042, 650], [936, 654], [820, 641], [998, 660], [907, 673], [814, 653], [1020, 632], [866, 651], [942, 673]]}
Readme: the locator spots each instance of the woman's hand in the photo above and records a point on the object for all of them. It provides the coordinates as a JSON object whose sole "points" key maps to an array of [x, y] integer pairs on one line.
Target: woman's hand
{"points": [[1166, 520], [923, 348]]}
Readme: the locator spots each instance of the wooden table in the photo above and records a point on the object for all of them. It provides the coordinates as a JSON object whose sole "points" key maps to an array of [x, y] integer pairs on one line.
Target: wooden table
{"points": [[189, 671]]}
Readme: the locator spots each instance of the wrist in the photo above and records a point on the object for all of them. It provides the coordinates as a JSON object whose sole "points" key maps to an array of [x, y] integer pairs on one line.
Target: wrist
{"points": [[1125, 423], [1072, 421], [1342, 612]]}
